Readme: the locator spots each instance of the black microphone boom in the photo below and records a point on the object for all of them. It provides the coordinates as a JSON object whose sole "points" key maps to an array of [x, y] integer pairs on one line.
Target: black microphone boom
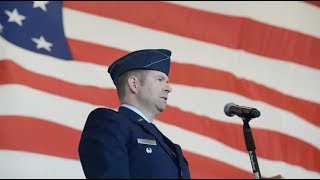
{"points": [[246, 113], [232, 109]]}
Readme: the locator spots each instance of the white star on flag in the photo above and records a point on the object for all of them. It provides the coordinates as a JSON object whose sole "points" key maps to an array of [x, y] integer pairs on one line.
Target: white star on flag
{"points": [[42, 43], [14, 16], [40, 4]]}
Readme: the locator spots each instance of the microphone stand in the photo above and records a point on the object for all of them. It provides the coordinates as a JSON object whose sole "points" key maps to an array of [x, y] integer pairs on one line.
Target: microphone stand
{"points": [[251, 147]]}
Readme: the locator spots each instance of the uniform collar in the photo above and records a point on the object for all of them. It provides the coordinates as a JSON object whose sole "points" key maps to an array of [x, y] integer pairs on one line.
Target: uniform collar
{"points": [[136, 111]]}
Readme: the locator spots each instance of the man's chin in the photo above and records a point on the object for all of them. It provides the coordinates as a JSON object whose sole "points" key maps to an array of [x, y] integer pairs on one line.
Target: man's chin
{"points": [[161, 109]]}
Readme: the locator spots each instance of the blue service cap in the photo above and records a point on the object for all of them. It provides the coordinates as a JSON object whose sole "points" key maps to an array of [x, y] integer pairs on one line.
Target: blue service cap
{"points": [[151, 59]]}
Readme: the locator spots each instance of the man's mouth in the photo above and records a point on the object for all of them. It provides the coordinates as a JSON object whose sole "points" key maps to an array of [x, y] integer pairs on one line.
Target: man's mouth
{"points": [[165, 98]]}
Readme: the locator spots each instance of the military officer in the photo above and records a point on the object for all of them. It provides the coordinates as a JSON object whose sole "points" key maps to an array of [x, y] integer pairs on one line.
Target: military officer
{"points": [[125, 143]]}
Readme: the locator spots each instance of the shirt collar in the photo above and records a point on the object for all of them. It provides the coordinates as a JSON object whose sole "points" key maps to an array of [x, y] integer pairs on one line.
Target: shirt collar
{"points": [[136, 111]]}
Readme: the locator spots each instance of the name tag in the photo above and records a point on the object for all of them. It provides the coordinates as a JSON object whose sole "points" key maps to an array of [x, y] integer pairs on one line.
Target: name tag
{"points": [[146, 141]]}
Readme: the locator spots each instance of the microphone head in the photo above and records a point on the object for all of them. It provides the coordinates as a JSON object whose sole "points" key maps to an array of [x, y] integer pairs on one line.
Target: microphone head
{"points": [[227, 109], [255, 113]]}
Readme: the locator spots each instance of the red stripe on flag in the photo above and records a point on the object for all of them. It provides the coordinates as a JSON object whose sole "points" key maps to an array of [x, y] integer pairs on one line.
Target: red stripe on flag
{"points": [[229, 31], [271, 145], [192, 75], [17, 74], [199, 124], [203, 168], [95, 53], [315, 3], [38, 136]]}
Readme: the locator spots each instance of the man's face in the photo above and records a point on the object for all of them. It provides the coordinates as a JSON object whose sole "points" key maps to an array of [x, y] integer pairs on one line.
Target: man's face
{"points": [[153, 94]]}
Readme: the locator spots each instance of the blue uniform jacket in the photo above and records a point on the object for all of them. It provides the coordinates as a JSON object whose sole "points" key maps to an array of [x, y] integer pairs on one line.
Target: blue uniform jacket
{"points": [[124, 145]]}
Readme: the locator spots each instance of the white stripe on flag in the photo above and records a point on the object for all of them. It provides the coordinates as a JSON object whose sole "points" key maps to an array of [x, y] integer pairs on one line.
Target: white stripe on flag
{"points": [[293, 15], [21, 165], [189, 51], [82, 73], [73, 114], [299, 128], [216, 150]]}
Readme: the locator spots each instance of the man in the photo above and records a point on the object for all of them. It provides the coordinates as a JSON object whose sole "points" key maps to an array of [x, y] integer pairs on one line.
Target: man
{"points": [[125, 143]]}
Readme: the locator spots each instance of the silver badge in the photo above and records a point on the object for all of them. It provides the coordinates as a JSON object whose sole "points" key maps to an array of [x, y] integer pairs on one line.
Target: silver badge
{"points": [[148, 150]]}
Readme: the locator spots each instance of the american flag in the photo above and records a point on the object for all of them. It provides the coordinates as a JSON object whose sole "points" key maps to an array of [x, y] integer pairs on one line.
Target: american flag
{"points": [[53, 71]]}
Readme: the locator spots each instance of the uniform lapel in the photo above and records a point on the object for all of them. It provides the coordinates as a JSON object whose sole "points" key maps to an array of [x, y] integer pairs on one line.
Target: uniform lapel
{"points": [[183, 173], [136, 118]]}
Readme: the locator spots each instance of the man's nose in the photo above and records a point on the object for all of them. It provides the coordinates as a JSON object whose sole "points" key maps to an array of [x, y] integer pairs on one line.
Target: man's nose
{"points": [[168, 88]]}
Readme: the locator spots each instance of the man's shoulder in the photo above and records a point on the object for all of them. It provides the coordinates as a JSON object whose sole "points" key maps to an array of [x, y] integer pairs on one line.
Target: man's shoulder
{"points": [[106, 115], [103, 110]]}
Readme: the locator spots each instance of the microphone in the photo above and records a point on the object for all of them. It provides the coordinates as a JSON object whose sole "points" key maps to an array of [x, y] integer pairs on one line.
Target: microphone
{"points": [[232, 109]]}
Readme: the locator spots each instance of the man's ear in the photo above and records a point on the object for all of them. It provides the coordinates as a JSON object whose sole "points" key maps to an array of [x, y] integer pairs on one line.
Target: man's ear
{"points": [[133, 84]]}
